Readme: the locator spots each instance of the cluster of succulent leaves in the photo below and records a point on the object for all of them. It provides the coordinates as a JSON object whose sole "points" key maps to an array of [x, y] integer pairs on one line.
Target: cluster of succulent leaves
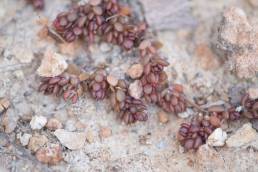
{"points": [[114, 23]]}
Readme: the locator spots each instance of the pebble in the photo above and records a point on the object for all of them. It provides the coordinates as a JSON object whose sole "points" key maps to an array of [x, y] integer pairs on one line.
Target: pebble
{"points": [[186, 114], [113, 81], [54, 124], [19, 74], [71, 140], [135, 71], [105, 132], [89, 136], [84, 76], [52, 154], [38, 122], [253, 93], [36, 142], [163, 117], [242, 136], [215, 121], [24, 138], [53, 64], [23, 53], [73, 69], [135, 89], [217, 138]]}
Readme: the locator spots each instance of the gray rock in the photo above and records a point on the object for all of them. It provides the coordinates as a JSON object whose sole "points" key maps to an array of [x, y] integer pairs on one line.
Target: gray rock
{"points": [[36, 142], [53, 64], [243, 136], [135, 89], [38, 122], [24, 138], [186, 114], [54, 124], [217, 138], [253, 93], [71, 140]]}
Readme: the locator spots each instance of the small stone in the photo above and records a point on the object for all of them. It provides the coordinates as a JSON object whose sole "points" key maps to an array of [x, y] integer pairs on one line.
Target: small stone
{"points": [[36, 142], [135, 71], [24, 138], [19, 74], [38, 122], [53, 64], [135, 89], [89, 136], [163, 117], [71, 140], [242, 136], [23, 52], [73, 69], [113, 81], [52, 154], [104, 47], [54, 124], [253, 93], [105, 132], [84, 76], [217, 138], [186, 114], [215, 121]]}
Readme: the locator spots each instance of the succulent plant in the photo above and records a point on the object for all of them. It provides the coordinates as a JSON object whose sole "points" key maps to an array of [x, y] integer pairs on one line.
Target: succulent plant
{"points": [[114, 23], [65, 85], [98, 85], [173, 100], [129, 109], [107, 19], [191, 136]]}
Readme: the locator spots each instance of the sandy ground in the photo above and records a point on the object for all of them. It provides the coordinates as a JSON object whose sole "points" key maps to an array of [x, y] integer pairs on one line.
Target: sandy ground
{"points": [[149, 146]]}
